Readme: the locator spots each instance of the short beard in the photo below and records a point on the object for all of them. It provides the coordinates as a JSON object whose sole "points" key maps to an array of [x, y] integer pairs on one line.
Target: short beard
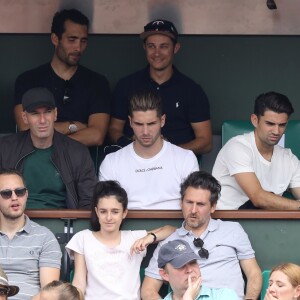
{"points": [[11, 216], [196, 224], [193, 225]]}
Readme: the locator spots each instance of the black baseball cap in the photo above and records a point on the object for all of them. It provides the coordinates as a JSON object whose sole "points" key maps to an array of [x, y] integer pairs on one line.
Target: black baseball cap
{"points": [[160, 27], [37, 97]]}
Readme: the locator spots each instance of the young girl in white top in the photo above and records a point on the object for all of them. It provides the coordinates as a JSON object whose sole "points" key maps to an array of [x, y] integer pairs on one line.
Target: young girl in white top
{"points": [[106, 265]]}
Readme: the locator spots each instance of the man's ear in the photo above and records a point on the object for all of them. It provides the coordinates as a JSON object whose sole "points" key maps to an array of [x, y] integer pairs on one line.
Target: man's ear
{"points": [[163, 120], [164, 275], [55, 113], [130, 121], [24, 117], [254, 120], [176, 48], [213, 208], [54, 39]]}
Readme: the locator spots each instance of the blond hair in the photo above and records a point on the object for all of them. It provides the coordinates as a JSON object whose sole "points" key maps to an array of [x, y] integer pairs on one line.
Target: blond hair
{"points": [[64, 290], [292, 271]]}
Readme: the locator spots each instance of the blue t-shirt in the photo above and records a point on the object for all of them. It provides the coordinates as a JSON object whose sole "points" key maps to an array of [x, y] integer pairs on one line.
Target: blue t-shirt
{"points": [[212, 294]]}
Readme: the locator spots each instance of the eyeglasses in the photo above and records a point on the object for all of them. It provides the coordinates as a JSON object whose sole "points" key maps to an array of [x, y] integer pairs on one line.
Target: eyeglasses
{"points": [[203, 253], [67, 97], [4, 291], [20, 192]]}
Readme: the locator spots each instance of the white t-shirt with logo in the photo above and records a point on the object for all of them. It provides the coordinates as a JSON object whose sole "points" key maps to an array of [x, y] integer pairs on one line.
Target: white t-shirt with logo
{"points": [[152, 183]]}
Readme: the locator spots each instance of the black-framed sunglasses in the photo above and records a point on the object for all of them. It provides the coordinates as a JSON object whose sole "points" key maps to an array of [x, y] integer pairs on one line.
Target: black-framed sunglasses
{"points": [[203, 253], [4, 291], [20, 192], [67, 95]]}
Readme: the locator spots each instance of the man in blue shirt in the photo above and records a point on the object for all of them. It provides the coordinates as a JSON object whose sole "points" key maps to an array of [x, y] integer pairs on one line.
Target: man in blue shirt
{"points": [[178, 266]]}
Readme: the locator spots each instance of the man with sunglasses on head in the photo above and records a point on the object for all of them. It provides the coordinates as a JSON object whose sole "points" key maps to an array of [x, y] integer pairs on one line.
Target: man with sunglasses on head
{"points": [[59, 171], [29, 253], [185, 103], [223, 248], [81, 95]]}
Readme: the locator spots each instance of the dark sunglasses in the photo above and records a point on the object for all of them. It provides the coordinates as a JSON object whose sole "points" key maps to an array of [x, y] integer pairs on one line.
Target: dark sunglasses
{"points": [[67, 95], [20, 192], [203, 253], [4, 291]]}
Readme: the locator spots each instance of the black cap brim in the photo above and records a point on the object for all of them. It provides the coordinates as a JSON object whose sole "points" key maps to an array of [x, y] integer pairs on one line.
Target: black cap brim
{"points": [[13, 289], [33, 107], [145, 34]]}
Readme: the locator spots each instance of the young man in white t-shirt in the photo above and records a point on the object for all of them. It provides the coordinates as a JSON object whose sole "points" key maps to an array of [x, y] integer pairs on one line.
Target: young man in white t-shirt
{"points": [[253, 169], [150, 168]]}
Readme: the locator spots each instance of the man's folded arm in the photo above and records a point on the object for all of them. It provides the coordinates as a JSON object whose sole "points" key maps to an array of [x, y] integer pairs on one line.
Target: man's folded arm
{"points": [[261, 198]]}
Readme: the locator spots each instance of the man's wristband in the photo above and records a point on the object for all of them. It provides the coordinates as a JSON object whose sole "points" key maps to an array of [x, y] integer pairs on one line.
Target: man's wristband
{"points": [[154, 236], [123, 141]]}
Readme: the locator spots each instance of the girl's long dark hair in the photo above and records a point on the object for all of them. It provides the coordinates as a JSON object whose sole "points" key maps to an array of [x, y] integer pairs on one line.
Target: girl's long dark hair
{"points": [[106, 189]]}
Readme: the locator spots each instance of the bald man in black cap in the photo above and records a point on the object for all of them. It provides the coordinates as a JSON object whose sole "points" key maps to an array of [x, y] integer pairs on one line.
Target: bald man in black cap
{"points": [[58, 170]]}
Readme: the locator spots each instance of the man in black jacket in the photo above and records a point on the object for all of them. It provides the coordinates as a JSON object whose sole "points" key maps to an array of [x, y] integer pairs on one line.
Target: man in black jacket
{"points": [[58, 170]]}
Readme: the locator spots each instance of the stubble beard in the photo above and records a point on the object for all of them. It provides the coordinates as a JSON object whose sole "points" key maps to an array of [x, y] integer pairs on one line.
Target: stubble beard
{"points": [[12, 217], [65, 59], [197, 223]]}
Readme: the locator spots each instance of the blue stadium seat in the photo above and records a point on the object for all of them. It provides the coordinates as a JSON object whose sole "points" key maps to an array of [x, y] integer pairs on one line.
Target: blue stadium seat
{"points": [[266, 276]]}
